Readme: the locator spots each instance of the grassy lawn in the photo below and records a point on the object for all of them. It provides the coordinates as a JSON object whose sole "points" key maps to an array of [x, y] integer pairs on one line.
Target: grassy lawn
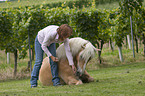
{"points": [[17, 3], [124, 80]]}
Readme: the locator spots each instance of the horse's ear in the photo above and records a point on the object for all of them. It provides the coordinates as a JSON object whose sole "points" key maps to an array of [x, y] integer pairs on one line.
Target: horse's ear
{"points": [[58, 30], [83, 46], [96, 49]]}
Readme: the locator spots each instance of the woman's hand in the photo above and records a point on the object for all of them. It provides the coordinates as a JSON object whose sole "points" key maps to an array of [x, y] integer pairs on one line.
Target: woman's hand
{"points": [[54, 59], [74, 68]]}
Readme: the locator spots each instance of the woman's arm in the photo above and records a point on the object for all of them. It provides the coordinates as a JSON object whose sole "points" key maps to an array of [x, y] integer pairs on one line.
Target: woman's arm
{"points": [[69, 54]]}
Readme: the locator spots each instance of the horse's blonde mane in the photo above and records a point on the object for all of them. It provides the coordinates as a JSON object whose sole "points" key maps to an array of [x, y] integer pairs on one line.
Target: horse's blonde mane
{"points": [[75, 47]]}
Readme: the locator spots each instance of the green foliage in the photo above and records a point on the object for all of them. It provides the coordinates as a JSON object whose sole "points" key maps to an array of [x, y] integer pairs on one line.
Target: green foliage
{"points": [[32, 20], [127, 6], [122, 27], [133, 8], [88, 23], [37, 22], [104, 26], [5, 29], [57, 16], [19, 29], [92, 25], [120, 30]]}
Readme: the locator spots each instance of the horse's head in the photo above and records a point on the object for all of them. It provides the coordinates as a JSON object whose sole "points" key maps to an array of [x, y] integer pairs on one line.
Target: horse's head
{"points": [[85, 55], [82, 51]]}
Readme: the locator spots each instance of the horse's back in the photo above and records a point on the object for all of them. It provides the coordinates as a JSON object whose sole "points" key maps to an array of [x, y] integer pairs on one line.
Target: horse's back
{"points": [[75, 46]]}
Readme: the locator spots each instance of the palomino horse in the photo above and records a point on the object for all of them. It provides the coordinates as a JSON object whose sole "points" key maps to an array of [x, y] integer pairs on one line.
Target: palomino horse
{"points": [[82, 51]]}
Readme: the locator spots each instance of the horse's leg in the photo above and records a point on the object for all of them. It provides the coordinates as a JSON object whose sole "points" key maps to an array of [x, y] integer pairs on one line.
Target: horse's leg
{"points": [[45, 76], [90, 79], [73, 81], [67, 74]]}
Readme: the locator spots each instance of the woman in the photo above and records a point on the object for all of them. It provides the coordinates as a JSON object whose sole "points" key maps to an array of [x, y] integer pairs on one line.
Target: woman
{"points": [[45, 42]]}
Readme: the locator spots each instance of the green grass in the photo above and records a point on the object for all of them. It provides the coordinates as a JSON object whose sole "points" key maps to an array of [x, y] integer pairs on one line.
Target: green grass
{"points": [[108, 6], [22, 3], [111, 58], [124, 80]]}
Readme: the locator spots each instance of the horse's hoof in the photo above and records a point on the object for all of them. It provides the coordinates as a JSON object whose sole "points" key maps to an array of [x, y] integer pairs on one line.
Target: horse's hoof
{"points": [[91, 79], [79, 82]]}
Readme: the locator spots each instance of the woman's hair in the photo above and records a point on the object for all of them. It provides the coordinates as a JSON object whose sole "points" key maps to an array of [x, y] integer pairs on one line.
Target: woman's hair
{"points": [[64, 30]]}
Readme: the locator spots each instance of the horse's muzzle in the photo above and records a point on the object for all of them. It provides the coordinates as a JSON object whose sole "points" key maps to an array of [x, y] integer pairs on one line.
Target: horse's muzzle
{"points": [[82, 77], [78, 73]]}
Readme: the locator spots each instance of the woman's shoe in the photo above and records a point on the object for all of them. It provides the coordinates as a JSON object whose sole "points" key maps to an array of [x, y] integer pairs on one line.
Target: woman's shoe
{"points": [[33, 86]]}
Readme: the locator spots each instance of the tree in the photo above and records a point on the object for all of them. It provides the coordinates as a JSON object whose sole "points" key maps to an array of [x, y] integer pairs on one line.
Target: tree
{"points": [[93, 26], [18, 34], [5, 28], [119, 31], [126, 8]]}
